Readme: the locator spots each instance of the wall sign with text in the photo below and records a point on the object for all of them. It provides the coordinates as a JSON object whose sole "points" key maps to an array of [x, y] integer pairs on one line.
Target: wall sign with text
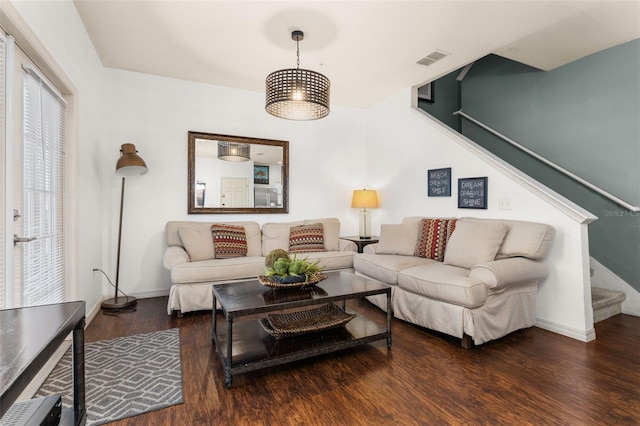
{"points": [[472, 193], [439, 182]]}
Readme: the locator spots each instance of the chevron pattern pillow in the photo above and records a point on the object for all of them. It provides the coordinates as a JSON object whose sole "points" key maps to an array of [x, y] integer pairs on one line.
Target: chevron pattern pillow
{"points": [[228, 241], [433, 236], [306, 238]]}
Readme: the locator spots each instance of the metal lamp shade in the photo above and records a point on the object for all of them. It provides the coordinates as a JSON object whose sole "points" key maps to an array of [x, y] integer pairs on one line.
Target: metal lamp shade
{"points": [[297, 94], [130, 163], [231, 151]]}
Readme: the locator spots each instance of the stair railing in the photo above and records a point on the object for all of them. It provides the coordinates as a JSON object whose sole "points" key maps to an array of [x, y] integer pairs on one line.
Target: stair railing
{"points": [[562, 170]]}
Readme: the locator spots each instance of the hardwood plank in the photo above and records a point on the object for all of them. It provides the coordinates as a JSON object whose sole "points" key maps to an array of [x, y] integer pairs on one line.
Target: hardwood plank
{"points": [[529, 377]]}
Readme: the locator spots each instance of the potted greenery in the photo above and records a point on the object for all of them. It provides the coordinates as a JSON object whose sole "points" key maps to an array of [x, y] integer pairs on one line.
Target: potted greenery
{"points": [[284, 269]]}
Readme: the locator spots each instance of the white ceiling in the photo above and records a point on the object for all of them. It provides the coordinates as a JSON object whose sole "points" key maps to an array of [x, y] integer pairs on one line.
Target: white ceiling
{"points": [[368, 49]]}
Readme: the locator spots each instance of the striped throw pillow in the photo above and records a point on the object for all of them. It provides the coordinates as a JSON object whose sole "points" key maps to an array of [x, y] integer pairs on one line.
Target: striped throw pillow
{"points": [[433, 236], [228, 241], [306, 238]]}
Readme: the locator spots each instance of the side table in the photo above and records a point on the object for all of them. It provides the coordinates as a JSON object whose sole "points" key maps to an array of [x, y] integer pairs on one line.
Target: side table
{"points": [[361, 242], [28, 337]]}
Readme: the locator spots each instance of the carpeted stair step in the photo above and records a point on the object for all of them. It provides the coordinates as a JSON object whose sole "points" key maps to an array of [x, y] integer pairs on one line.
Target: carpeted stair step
{"points": [[606, 303]]}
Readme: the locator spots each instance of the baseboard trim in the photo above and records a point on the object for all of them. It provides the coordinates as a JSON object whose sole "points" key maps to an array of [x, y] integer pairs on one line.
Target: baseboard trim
{"points": [[566, 330], [150, 294], [89, 316]]}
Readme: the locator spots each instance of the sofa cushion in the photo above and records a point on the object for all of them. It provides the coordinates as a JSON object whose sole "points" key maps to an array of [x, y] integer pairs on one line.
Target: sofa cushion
{"points": [[527, 239], [236, 268], [198, 242], [433, 237], [276, 236], [251, 229], [331, 260], [331, 232], [228, 241], [447, 283], [474, 242], [397, 239], [385, 267], [306, 238]]}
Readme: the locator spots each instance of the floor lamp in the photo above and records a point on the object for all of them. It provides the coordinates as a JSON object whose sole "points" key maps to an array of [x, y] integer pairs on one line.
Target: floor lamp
{"points": [[365, 199], [129, 164]]}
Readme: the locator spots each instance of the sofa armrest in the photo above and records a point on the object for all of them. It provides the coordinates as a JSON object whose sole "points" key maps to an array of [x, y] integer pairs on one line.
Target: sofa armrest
{"points": [[346, 245], [504, 273], [370, 248], [174, 256]]}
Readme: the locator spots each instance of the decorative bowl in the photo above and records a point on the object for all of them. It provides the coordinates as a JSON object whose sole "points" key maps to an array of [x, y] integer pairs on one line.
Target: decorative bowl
{"points": [[302, 281]]}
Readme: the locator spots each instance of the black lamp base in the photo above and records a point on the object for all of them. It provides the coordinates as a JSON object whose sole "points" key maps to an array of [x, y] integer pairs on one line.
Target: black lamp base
{"points": [[119, 302]]}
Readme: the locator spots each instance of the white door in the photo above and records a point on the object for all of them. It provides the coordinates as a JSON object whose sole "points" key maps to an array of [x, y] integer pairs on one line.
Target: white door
{"points": [[235, 192], [37, 183]]}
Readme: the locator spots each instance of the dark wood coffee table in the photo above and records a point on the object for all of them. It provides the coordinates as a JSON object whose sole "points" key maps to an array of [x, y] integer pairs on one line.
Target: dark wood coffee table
{"points": [[250, 347]]}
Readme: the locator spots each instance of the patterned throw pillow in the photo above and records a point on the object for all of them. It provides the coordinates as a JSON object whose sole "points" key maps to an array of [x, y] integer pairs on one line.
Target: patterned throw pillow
{"points": [[433, 236], [306, 238], [228, 241]]}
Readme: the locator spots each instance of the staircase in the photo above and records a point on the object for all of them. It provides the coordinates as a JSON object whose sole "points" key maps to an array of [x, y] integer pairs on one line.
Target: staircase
{"points": [[606, 303]]}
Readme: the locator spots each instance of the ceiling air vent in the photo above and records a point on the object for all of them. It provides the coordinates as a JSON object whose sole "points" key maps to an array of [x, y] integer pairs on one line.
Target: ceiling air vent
{"points": [[432, 58]]}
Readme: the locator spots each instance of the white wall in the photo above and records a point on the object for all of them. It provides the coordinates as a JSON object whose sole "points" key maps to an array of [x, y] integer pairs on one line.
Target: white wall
{"points": [[327, 161], [155, 113], [58, 28], [403, 144]]}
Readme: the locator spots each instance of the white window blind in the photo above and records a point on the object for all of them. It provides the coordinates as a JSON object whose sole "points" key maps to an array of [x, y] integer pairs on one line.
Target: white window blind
{"points": [[3, 137], [43, 182]]}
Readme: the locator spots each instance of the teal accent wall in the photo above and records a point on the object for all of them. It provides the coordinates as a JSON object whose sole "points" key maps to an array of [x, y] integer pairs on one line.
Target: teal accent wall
{"points": [[583, 116], [447, 101]]}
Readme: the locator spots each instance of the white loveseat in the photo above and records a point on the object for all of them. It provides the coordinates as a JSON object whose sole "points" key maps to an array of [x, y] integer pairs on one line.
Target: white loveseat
{"points": [[190, 256], [480, 282]]}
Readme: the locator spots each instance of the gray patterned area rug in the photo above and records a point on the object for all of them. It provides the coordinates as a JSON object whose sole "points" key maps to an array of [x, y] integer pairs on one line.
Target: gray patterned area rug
{"points": [[124, 377]]}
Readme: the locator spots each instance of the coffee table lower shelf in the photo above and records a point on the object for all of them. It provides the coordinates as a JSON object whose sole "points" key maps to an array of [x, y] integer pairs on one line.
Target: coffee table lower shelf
{"points": [[253, 348]]}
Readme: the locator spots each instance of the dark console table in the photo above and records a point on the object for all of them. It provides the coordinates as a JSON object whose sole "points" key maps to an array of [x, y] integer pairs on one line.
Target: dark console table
{"points": [[361, 242], [28, 338]]}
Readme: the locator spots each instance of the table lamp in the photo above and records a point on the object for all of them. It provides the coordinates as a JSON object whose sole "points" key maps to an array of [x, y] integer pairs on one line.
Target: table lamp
{"points": [[129, 164], [365, 199]]}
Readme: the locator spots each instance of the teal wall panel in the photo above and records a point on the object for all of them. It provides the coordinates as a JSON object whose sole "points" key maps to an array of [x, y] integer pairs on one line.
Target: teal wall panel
{"points": [[585, 117], [447, 100]]}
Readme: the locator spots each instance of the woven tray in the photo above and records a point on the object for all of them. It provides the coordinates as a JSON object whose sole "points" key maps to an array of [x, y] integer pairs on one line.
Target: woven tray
{"points": [[271, 282], [303, 322]]}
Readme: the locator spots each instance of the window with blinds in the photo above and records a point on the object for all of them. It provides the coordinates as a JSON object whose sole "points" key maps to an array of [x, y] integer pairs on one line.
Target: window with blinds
{"points": [[43, 279]]}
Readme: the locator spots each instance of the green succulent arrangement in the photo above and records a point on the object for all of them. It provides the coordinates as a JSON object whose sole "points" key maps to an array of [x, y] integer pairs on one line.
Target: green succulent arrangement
{"points": [[281, 265]]}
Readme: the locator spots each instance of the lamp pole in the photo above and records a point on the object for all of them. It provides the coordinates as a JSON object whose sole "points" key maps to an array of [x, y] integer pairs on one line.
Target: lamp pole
{"points": [[129, 164]]}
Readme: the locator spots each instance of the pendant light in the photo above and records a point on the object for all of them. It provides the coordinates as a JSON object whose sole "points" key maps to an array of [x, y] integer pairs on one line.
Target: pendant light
{"points": [[232, 151], [297, 94]]}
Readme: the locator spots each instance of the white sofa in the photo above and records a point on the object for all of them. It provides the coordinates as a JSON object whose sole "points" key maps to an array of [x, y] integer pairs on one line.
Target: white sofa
{"points": [[190, 256], [480, 284]]}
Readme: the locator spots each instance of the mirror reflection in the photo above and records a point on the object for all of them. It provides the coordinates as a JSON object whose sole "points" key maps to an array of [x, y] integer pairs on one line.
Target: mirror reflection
{"points": [[234, 174]]}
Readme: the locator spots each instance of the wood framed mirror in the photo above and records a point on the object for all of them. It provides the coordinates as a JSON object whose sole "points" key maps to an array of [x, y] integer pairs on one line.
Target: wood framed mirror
{"points": [[235, 174]]}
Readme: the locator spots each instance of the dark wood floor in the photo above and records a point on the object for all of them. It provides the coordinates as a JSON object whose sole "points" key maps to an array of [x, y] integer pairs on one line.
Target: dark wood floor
{"points": [[529, 377]]}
